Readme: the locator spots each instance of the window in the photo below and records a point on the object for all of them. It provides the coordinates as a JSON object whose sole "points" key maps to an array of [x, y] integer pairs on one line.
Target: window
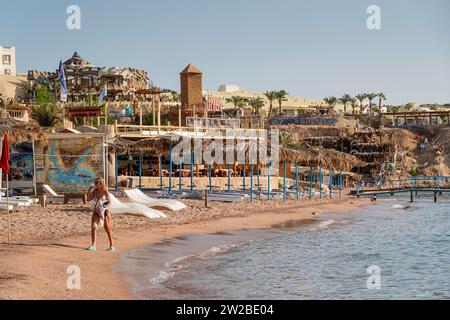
{"points": [[6, 59], [7, 72]]}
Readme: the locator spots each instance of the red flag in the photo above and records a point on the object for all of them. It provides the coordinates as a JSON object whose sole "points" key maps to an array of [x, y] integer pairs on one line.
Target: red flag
{"points": [[4, 160]]}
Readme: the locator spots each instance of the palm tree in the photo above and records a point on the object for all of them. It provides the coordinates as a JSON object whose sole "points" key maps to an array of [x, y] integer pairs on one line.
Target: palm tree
{"points": [[175, 97], [370, 97], [381, 98], [280, 96], [395, 109], [361, 97], [237, 101], [271, 96], [331, 102], [45, 114], [409, 106], [354, 104], [345, 100], [256, 103]]}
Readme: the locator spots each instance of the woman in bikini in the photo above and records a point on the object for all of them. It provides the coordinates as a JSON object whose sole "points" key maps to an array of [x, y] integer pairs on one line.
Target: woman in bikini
{"points": [[101, 215]]}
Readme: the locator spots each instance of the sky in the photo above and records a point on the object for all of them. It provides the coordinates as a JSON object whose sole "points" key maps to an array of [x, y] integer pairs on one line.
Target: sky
{"points": [[310, 48]]}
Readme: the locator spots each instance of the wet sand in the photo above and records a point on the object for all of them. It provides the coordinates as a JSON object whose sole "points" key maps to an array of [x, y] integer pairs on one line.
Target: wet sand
{"points": [[46, 241]]}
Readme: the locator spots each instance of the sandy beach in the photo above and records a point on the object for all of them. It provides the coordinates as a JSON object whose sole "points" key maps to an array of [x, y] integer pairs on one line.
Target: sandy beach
{"points": [[46, 241]]}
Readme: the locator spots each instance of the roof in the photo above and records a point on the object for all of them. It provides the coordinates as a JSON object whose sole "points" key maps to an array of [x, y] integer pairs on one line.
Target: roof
{"points": [[76, 60], [191, 69]]}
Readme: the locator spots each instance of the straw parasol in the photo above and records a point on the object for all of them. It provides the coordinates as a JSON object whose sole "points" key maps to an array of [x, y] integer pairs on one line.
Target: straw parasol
{"points": [[20, 131], [328, 158]]}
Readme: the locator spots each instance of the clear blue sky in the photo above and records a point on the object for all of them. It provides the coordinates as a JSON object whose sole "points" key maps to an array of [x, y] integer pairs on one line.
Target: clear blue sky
{"points": [[310, 48]]}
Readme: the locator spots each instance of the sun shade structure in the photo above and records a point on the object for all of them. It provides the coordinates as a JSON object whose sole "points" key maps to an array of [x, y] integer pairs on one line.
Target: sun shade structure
{"points": [[20, 131]]}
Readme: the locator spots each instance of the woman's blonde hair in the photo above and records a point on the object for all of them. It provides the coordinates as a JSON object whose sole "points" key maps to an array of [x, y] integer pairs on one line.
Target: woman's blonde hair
{"points": [[101, 183]]}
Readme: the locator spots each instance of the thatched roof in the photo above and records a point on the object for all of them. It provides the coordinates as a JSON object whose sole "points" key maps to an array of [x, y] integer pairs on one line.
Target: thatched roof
{"points": [[159, 145], [20, 131], [328, 158]]}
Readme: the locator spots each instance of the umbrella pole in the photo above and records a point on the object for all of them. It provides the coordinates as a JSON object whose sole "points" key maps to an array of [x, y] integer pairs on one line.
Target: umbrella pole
{"points": [[7, 208]]}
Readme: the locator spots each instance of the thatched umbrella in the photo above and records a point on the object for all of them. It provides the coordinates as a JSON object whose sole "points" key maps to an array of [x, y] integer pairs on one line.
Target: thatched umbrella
{"points": [[19, 131], [328, 158]]}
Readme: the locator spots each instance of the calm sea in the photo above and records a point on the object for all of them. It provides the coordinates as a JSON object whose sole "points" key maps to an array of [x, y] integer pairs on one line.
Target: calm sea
{"points": [[391, 250]]}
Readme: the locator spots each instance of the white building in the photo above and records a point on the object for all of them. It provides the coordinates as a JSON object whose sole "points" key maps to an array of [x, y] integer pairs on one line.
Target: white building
{"points": [[8, 61], [228, 88]]}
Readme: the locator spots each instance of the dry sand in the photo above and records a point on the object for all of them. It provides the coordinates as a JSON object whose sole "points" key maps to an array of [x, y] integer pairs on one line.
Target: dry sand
{"points": [[46, 241]]}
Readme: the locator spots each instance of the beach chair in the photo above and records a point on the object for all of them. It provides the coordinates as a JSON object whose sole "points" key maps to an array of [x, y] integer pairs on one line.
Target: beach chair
{"points": [[11, 207], [52, 196], [118, 207], [138, 196], [225, 197]]}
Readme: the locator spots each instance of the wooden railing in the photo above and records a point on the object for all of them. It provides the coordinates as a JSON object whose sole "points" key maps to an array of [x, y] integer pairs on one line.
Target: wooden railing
{"points": [[19, 115]]}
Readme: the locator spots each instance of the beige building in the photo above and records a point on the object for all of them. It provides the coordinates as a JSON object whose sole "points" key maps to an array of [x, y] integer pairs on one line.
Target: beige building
{"points": [[291, 105], [7, 61]]}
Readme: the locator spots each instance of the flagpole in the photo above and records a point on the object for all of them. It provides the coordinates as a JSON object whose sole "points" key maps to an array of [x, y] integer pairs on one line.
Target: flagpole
{"points": [[7, 208]]}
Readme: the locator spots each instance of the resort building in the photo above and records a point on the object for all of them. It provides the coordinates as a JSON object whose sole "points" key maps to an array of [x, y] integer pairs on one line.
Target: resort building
{"points": [[8, 61], [291, 106], [84, 80]]}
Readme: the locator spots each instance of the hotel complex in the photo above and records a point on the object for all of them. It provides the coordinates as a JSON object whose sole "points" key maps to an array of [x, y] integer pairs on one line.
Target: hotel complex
{"points": [[7, 61]]}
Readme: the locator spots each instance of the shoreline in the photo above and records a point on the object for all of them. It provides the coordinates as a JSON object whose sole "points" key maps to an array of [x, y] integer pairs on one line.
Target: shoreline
{"points": [[39, 271]]}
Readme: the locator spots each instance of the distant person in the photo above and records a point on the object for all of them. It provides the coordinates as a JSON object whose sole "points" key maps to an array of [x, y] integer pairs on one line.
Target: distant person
{"points": [[101, 216]]}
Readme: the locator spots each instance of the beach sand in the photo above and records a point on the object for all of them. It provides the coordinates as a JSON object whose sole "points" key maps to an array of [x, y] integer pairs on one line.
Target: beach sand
{"points": [[46, 241]]}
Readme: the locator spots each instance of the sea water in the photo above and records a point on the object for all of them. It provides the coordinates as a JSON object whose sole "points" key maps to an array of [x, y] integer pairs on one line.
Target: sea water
{"points": [[391, 250]]}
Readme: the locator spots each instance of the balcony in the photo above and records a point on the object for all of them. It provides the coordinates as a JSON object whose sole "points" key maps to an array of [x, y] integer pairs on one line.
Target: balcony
{"points": [[19, 115]]}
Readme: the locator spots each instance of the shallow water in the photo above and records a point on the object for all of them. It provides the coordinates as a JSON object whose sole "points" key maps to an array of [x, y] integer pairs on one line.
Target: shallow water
{"points": [[325, 258]]}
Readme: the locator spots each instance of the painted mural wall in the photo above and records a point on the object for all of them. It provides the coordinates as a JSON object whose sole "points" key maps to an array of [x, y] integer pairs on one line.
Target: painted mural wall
{"points": [[71, 164]]}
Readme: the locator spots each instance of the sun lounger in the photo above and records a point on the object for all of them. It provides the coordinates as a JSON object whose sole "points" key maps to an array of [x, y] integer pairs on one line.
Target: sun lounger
{"points": [[4, 207], [52, 196], [225, 197], [118, 207], [138, 196]]}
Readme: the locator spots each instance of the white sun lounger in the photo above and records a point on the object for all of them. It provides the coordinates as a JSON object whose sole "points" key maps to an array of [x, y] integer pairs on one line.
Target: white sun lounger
{"points": [[4, 207], [118, 207], [138, 196], [52, 195], [19, 203]]}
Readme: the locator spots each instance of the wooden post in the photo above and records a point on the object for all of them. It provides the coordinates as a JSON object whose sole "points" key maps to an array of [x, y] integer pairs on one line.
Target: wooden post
{"points": [[229, 177], [297, 193], [179, 117], [170, 170], [180, 175], [140, 171], [117, 172], [243, 177], [251, 182], [311, 176], [192, 172], [268, 181], [284, 181], [210, 178], [320, 182], [160, 172], [159, 116]]}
